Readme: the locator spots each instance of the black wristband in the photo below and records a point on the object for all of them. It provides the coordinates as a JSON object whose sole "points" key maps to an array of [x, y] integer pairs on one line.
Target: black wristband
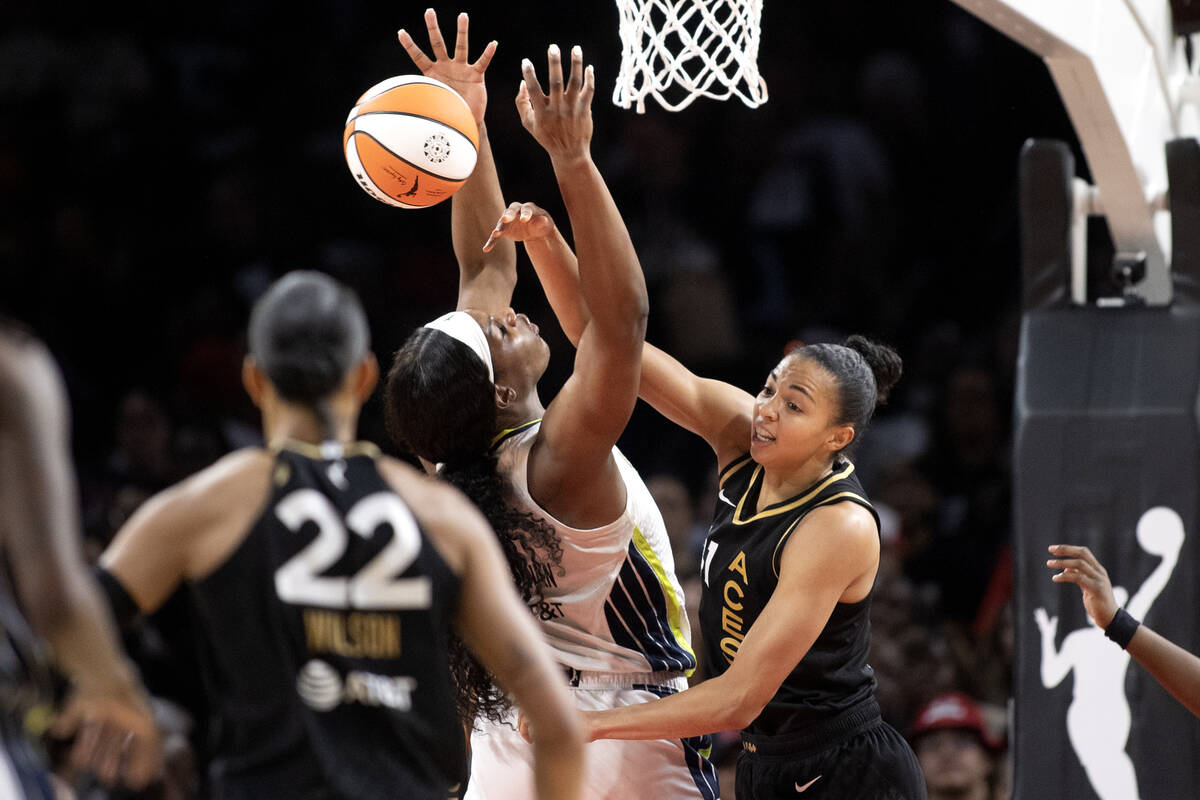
{"points": [[1122, 628]]}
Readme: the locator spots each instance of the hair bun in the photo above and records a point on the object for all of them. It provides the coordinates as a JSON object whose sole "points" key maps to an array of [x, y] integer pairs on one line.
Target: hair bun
{"points": [[884, 362]]}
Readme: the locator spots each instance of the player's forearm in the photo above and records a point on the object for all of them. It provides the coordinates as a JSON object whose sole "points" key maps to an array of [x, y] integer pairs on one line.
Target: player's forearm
{"points": [[83, 640], [558, 763], [558, 271], [712, 706], [474, 210], [610, 276], [1175, 668]]}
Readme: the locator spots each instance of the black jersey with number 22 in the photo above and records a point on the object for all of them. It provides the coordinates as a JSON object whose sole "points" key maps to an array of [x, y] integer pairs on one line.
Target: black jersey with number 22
{"points": [[325, 642]]}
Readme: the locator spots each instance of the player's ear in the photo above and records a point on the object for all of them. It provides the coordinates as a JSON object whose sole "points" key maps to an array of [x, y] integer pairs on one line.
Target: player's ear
{"points": [[254, 380], [841, 437], [505, 395], [365, 377]]}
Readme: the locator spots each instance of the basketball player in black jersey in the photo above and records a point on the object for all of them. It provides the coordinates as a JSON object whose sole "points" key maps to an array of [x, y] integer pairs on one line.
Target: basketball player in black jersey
{"points": [[48, 598], [326, 580], [788, 566]]}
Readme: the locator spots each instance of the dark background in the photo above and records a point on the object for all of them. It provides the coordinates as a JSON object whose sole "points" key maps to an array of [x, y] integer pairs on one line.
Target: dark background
{"points": [[160, 164]]}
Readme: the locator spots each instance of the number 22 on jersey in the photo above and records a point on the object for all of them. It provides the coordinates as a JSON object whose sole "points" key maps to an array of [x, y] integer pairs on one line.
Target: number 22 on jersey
{"points": [[300, 581]]}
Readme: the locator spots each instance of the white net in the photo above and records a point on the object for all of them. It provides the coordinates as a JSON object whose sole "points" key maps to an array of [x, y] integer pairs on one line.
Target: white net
{"points": [[678, 50]]}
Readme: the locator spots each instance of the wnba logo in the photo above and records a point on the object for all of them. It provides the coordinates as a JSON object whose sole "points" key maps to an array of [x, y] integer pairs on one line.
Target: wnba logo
{"points": [[319, 685]]}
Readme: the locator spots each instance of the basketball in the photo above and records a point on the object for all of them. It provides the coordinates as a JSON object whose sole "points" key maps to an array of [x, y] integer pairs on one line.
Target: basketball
{"points": [[410, 141]]}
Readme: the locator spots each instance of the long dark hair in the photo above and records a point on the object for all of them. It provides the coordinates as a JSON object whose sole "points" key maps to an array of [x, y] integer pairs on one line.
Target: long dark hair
{"points": [[865, 372], [439, 404], [306, 333]]}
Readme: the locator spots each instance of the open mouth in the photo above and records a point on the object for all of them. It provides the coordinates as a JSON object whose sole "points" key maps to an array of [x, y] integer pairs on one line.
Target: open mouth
{"points": [[762, 436]]}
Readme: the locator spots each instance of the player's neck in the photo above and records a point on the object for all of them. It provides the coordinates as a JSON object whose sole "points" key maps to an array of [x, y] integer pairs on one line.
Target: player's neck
{"points": [[780, 485], [298, 423], [520, 412]]}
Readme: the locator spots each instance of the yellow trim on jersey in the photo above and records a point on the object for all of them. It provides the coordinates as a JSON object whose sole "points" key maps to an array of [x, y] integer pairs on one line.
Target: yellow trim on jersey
{"points": [[733, 467], [674, 601], [504, 434], [807, 496], [314, 451], [792, 527]]}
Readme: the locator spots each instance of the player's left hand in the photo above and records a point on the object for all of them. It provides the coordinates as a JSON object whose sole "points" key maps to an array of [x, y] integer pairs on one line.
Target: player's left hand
{"points": [[1080, 567], [520, 222], [453, 70], [115, 736]]}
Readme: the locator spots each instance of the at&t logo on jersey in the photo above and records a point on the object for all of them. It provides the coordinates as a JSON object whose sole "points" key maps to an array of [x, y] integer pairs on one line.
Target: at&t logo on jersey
{"points": [[322, 689]]}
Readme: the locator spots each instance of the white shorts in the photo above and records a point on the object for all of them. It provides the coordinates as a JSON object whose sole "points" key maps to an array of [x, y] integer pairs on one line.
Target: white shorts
{"points": [[665, 769]]}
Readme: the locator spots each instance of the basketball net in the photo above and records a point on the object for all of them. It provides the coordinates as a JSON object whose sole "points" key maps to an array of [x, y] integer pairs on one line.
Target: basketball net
{"points": [[678, 50]]}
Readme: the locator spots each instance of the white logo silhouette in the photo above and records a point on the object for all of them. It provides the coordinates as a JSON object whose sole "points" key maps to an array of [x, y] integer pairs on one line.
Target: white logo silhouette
{"points": [[1098, 719]]}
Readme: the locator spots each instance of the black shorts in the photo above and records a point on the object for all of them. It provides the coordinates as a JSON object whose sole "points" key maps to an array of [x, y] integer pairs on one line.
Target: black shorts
{"points": [[855, 755]]}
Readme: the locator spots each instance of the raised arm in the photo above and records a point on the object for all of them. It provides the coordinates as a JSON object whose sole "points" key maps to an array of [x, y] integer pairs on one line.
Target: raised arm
{"points": [[1175, 668], [571, 470], [716, 411], [39, 535], [485, 279]]}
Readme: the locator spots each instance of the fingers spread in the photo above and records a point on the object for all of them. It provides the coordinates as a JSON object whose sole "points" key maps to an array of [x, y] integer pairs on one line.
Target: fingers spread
{"points": [[417, 55], [575, 82], [436, 43], [554, 59], [530, 83], [485, 57], [460, 41]]}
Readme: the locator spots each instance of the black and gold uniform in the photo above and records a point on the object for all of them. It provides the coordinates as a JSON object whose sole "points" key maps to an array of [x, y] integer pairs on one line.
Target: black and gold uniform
{"points": [[324, 641], [821, 732]]}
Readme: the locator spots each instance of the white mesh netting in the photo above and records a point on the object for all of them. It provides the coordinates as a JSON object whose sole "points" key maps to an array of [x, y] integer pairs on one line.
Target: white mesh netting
{"points": [[678, 50]]}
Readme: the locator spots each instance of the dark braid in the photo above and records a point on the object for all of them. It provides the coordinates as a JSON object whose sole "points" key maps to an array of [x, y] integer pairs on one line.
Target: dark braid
{"points": [[439, 404]]}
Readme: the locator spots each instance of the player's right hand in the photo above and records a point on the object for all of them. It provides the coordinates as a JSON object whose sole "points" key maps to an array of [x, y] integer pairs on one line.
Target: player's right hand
{"points": [[1080, 567], [115, 737], [561, 121], [520, 222]]}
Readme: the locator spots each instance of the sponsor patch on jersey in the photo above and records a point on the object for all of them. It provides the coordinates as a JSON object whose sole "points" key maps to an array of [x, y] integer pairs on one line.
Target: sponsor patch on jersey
{"points": [[323, 689]]}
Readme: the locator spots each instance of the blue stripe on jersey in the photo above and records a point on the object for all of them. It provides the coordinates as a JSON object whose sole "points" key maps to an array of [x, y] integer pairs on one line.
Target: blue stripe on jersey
{"points": [[696, 752], [636, 610]]}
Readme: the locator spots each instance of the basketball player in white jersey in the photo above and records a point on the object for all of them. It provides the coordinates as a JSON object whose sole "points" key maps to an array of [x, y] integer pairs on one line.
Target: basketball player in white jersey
{"points": [[585, 542]]}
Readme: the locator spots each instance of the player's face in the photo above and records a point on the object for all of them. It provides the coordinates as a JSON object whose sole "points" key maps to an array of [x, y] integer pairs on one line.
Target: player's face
{"points": [[519, 354], [795, 415]]}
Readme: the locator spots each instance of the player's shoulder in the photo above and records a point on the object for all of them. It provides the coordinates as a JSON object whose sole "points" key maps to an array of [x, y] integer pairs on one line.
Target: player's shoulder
{"points": [[847, 526], [240, 477], [28, 372]]}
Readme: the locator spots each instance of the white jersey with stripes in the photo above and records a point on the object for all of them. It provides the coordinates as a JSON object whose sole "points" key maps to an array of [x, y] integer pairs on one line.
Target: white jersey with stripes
{"points": [[615, 605]]}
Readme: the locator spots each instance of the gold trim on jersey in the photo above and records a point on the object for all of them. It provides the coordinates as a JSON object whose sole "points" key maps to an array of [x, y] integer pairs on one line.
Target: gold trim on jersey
{"points": [[507, 432], [731, 468], [828, 501], [316, 452], [787, 505]]}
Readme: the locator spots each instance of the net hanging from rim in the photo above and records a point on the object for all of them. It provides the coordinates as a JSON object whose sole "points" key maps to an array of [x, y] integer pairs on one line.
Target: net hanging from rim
{"points": [[678, 50]]}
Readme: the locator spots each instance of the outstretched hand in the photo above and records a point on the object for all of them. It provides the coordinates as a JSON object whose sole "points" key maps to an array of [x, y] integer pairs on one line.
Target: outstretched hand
{"points": [[115, 737], [520, 222], [453, 70], [561, 121], [1081, 568]]}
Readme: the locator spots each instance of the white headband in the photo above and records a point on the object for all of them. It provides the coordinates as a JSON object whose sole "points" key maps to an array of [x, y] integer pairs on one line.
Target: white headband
{"points": [[462, 326]]}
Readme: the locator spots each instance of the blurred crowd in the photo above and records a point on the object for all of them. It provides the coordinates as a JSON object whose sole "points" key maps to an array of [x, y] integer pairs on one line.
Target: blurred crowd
{"points": [[159, 166]]}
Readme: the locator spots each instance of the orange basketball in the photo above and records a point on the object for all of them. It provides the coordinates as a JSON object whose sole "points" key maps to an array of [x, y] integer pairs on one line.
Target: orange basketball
{"points": [[411, 141]]}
